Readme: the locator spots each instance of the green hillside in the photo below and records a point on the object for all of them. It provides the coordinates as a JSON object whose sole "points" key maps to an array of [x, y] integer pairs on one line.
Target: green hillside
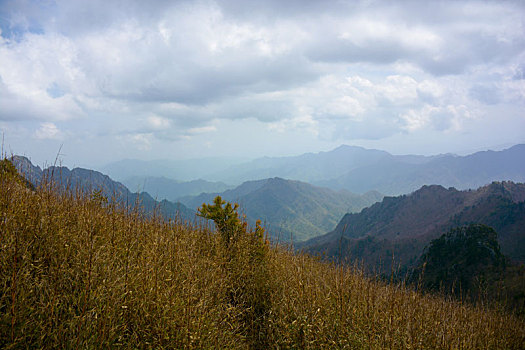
{"points": [[291, 208]]}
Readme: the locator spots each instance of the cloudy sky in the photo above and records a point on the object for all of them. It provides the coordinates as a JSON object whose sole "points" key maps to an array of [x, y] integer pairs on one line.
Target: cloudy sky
{"points": [[107, 80]]}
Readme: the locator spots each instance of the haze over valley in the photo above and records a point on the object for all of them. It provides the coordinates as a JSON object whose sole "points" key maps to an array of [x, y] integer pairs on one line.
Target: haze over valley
{"points": [[287, 193]]}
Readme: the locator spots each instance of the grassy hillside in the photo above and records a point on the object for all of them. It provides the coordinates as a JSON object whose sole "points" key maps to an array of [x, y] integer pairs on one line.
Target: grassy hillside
{"points": [[89, 180], [78, 272]]}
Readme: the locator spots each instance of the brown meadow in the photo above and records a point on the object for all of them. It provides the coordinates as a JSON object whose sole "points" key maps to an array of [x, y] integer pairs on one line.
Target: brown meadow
{"points": [[79, 271]]}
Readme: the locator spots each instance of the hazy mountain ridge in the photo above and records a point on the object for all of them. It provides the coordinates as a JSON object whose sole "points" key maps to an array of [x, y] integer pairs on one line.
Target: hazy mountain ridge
{"points": [[308, 167], [290, 207], [403, 225], [180, 170], [172, 190], [396, 176], [90, 180], [353, 168], [360, 170]]}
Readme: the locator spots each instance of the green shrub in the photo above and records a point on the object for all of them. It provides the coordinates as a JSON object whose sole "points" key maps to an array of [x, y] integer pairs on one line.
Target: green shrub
{"points": [[244, 253]]}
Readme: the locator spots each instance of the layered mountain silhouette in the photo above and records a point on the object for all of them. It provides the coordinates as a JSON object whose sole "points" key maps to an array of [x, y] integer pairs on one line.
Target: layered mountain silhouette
{"points": [[355, 169], [89, 180], [400, 227], [396, 175], [165, 188], [181, 170], [309, 167], [291, 210], [359, 170], [298, 210]]}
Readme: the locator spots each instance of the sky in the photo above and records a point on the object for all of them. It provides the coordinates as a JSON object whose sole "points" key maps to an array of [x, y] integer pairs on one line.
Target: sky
{"points": [[98, 81]]}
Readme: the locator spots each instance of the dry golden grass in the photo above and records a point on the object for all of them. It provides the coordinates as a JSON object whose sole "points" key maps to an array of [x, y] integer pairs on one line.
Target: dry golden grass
{"points": [[78, 273]]}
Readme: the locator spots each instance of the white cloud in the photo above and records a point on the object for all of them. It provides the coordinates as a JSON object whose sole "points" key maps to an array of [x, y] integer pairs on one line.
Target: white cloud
{"points": [[48, 131], [430, 89], [443, 118], [158, 123], [27, 70], [139, 141], [345, 106], [303, 122], [398, 89], [202, 130]]}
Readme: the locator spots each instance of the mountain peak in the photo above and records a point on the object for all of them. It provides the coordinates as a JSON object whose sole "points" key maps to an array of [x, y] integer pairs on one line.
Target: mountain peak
{"points": [[277, 179], [352, 148], [347, 147], [433, 189], [507, 189]]}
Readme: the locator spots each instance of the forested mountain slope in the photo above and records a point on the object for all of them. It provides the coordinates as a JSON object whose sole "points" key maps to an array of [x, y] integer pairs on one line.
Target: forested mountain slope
{"points": [[403, 225], [290, 207]]}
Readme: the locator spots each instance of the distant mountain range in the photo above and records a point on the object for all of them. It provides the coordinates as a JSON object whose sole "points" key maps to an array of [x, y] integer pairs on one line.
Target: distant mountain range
{"points": [[360, 170], [309, 167], [165, 188], [180, 170], [290, 207], [355, 169], [295, 208], [89, 180], [401, 226], [395, 175]]}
